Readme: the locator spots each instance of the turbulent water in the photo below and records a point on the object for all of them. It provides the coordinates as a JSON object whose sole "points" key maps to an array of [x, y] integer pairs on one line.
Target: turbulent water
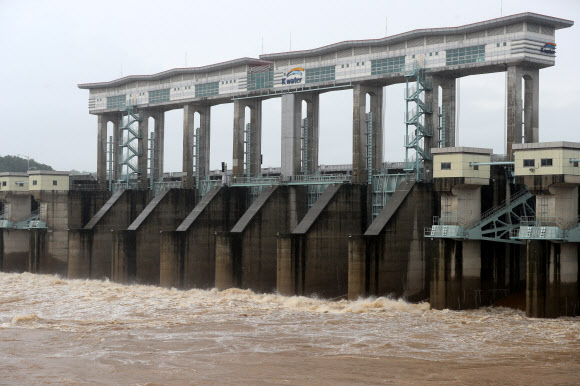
{"points": [[74, 331]]}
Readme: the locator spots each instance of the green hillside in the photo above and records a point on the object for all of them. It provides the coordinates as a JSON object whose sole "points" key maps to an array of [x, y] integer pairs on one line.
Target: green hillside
{"points": [[11, 163]]}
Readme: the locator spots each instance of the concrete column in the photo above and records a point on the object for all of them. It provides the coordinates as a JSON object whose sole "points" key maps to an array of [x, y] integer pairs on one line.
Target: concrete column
{"points": [[514, 108], [117, 149], [79, 253], [102, 151], [448, 86], [238, 150], [124, 257], [289, 265], [143, 149], [359, 148], [188, 133], [204, 140], [357, 268], [255, 150], [171, 260], [448, 89], [313, 116], [291, 114], [37, 251], [159, 145], [227, 261]]}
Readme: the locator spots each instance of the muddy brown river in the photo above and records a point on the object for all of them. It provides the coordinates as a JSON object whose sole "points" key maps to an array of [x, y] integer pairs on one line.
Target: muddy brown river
{"points": [[54, 330]]}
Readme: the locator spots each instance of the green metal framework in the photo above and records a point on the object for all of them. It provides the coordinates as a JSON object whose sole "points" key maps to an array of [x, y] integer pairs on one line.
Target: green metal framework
{"points": [[304, 143], [151, 159], [369, 145], [442, 142], [248, 150], [497, 224], [384, 186], [129, 142], [196, 158], [416, 127]]}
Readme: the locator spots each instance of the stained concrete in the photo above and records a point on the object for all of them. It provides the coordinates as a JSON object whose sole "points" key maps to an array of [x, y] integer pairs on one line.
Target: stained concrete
{"points": [[250, 263], [188, 254], [91, 248], [313, 259], [393, 257], [165, 212]]}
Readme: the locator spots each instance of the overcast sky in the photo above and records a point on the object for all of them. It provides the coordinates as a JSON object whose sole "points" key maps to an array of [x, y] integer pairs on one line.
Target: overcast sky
{"points": [[48, 47]]}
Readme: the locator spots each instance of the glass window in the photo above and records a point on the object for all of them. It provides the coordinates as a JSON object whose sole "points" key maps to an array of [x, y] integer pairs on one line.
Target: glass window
{"points": [[34, 182], [504, 44], [260, 80], [388, 65], [475, 167], [546, 161], [320, 74], [54, 182], [158, 96], [207, 89], [529, 163], [465, 55], [3, 183], [445, 165], [575, 164], [116, 102]]}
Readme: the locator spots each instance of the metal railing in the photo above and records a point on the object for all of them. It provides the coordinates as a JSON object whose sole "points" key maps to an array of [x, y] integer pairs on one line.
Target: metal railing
{"points": [[449, 220], [504, 204]]}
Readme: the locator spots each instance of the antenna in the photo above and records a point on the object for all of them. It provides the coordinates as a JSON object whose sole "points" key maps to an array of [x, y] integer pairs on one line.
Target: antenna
{"points": [[290, 40], [386, 26], [185, 58], [262, 45], [121, 69], [501, 8]]}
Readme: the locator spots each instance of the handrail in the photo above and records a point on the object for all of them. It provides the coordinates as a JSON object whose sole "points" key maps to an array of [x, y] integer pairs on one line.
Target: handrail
{"points": [[504, 204]]}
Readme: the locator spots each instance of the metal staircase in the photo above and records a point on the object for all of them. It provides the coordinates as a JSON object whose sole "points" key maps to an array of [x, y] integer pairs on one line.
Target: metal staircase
{"points": [[129, 142]]}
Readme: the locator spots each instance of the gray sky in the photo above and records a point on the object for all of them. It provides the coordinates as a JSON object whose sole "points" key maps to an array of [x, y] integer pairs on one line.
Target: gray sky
{"points": [[48, 47]]}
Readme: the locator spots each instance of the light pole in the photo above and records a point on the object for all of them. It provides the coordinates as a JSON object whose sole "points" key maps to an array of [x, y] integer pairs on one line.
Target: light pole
{"points": [[27, 159]]}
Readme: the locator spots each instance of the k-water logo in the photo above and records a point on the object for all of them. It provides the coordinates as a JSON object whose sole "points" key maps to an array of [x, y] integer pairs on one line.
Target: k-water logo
{"points": [[549, 48], [294, 76]]}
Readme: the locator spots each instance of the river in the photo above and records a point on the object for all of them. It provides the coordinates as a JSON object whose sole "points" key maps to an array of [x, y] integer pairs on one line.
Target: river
{"points": [[54, 330]]}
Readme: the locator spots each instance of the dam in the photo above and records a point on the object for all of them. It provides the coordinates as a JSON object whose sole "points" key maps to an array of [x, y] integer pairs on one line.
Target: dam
{"points": [[457, 225]]}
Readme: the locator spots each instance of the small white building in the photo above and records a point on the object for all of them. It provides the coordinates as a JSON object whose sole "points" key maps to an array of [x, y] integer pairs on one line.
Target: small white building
{"points": [[48, 180], [450, 162], [13, 182], [547, 158]]}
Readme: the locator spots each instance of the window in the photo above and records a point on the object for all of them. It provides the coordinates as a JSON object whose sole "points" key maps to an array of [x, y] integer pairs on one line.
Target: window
{"points": [[475, 167], [320, 74], [54, 183], [546, 161], [575, 164], [413, 56], [208, 89], [388, 65], [430, 54], [445, 165], [3, 183], [498, 44], [436, 53], [158, 96], [342, 66], [504, 44], [529, 163], [34, 182], [348, 65], [116, 102], [363, 63], [465, 55], [260, 80], [357, 64]]}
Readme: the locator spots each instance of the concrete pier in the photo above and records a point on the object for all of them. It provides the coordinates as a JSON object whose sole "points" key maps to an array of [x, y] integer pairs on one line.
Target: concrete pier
{"points": [[254, 237], [531, 107], [189, 130], [95, 241], [165, 212], [360, 144], [393, 257], [314, 258], [188, 254], [244, 148]]}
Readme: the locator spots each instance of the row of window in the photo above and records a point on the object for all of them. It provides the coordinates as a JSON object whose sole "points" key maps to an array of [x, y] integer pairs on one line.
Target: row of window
{"points": [[387, 65], [158, 96], [543, 162], [34, 182], [207, 89], [260, 80], [465, 55], [357, 64], [17, 183], [228, 81], [320, 74], [116, 102]]}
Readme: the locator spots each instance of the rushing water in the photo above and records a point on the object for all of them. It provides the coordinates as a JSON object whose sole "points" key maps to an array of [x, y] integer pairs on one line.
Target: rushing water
{"points": [[71, 331]]}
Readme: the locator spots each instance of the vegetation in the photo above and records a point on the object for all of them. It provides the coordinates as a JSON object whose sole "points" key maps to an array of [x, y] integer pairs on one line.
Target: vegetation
{"points": [[11, 163]]}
